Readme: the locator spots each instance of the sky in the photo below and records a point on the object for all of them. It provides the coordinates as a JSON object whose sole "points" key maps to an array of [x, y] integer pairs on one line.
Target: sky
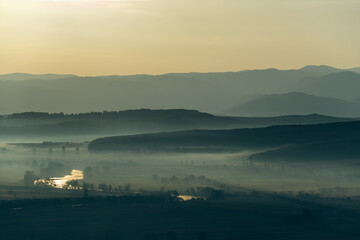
{"points": [[104, 37]]}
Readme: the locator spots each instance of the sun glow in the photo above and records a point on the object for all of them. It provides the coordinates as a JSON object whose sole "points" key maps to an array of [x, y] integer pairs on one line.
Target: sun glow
{"points": [[110, 37]]}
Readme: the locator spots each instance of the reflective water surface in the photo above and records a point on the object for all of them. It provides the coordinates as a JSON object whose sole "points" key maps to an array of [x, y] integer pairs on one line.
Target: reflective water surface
{"points": [[61, 182]]}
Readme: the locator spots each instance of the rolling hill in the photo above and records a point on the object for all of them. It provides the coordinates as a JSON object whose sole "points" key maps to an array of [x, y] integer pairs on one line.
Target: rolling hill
{"points": [[26, 76], [92, 125], [296, 103], [343, 85], [321, 70], [318, 141]]}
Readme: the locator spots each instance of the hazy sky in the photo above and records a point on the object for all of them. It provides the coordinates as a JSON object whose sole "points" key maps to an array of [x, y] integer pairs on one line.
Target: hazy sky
{"points": [[94, 37]]}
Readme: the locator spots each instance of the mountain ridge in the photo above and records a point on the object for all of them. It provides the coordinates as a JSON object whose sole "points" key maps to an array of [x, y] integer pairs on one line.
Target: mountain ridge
{"points": [[206, 92], [324, 69], [237, 139], [296, 103]]}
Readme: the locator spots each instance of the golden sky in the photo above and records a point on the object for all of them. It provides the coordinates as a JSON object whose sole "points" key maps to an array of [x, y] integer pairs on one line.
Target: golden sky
{"points": [[101, 37]]}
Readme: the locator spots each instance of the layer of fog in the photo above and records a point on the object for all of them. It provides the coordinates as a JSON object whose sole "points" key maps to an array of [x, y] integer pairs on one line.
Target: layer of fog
{"points": [[176, 171]]}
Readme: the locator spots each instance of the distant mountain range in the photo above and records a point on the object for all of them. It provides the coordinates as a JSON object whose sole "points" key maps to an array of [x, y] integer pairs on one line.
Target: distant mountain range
{"points": [[324, 70], [343, 85], [208, 92], [26, 76], [296, 103]]}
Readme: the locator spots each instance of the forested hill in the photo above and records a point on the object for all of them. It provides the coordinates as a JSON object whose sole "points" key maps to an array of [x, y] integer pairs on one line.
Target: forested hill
{"points": [[237, 139], [97, 124], [175, 115], [116, 115]]}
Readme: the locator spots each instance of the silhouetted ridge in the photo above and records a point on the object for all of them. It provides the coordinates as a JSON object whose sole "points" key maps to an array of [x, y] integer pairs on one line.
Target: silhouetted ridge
{"points": [[27, 76], [138, 113], [320, 69], [41, 124], [257, 138]]}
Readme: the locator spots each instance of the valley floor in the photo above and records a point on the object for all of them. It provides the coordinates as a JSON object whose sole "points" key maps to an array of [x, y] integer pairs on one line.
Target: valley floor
{"points": [[259, 216]]}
